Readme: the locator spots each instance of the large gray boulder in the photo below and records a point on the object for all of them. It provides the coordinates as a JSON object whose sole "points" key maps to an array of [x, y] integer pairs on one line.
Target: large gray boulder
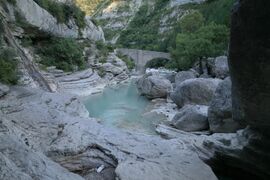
{"points": [[153, 86], [3, 90], [220, 110], [195, 91], [184, 75], [219, 67], [110, 68], [191, 118]]}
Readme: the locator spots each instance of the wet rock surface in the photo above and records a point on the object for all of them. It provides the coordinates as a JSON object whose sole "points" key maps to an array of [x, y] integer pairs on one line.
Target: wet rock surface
{"points": [[57, 126]]}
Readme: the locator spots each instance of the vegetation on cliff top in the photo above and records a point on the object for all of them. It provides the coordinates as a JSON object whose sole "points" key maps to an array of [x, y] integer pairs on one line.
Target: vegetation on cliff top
{"points": [[142, 32], [64, 53], [63, 12]]}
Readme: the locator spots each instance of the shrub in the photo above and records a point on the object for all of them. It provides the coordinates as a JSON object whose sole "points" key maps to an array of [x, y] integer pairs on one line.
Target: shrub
{"points": [[8, 66], [191, 22], [64, 53], [157, 63], [104, 50], [129, 62]]}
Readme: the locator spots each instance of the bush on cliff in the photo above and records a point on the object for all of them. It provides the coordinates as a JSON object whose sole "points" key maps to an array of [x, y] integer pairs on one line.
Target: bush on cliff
{"points": [[8, 66], [64, 53]]}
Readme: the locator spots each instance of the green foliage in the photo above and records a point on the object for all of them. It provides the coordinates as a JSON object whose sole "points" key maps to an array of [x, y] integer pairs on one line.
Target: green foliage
{"points": [[64, 53], [8, 66], [217, 11], [156, 63], [104, 50], [142, 32], [209, 40], [191, 22], [129, 62], [63, 12], [20, 20]]}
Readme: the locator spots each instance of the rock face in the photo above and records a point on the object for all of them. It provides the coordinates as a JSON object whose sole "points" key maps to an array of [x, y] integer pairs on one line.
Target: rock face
{"points": [[219, 67], [154, 86], [180, 2], [247, 154], [39, 17], [220, 110], [81, 83], [184, 75], [191, 118], [249, 64], [117, 15], [58, 126], [3, 90], [195, 91], [18, 161]]}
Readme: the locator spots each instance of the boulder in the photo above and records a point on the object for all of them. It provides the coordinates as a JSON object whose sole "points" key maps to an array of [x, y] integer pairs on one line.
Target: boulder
{"points": [[184, 75], [191, 118], [110, 68], [115, 60], [220, 110], [153, 86], [167, 74], [114, 65], [3, 90], [195, 91], [219, 67]]}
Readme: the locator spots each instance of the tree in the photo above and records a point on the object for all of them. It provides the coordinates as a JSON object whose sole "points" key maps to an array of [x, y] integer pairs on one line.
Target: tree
{"points": [[191, 22], [8, 66], [209, 40], [64, 53]]}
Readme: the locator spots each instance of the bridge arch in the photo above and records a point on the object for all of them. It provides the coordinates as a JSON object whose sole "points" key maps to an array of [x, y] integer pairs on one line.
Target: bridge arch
{"points": [[141, 57]]}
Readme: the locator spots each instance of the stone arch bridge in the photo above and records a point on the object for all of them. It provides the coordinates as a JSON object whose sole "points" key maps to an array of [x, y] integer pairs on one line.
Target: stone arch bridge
{"points": [[141, 57]]}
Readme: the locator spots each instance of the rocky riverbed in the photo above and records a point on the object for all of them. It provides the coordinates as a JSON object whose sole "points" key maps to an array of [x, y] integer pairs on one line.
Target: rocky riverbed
{"points": [[52, 136]]}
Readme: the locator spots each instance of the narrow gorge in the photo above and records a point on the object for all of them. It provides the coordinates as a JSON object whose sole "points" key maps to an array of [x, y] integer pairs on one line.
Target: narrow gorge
{"points": [[132, 89]]}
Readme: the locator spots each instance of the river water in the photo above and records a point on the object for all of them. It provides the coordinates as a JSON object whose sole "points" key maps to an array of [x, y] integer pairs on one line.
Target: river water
{"points": [[123, 107]]}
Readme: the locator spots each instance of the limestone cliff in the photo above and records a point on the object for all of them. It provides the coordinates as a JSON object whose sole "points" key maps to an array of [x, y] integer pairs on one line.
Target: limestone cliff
{"points": [[39, 17], [116, 16]]}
